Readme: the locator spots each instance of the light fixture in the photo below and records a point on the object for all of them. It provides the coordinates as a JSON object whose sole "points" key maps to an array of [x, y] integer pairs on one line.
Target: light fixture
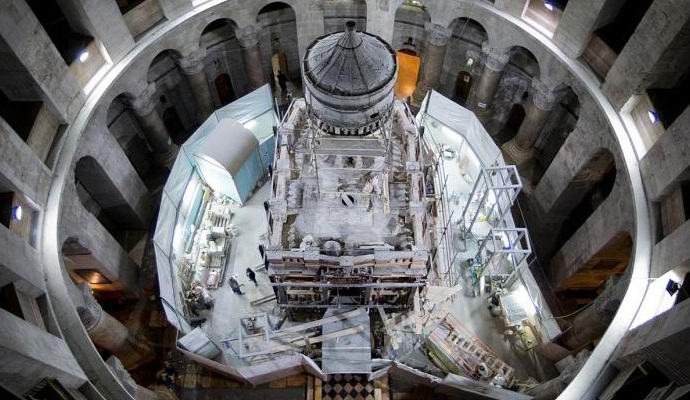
{"points": [[548, 4], [672, 287], [653, 116], [470, 61], [83, 56], [17, 212]]}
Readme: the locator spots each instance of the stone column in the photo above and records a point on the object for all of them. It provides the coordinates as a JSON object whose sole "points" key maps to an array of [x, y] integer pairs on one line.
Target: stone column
{"points": [[193, 67], [248, 37], [593, 321], [495, 61], [433, 53], [109, 333], [154, 129], [520, 149], [103, 329]]}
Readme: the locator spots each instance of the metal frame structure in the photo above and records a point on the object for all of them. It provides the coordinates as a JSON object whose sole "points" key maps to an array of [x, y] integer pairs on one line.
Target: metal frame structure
{"points": [[496, 188], [512, 244]]}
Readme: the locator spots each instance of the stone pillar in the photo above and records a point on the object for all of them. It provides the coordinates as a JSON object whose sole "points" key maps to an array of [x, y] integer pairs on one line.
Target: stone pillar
{"points": [[433, 53], [193, 67], [103, 329], [494, 63], [109, 333], [520, 149], [248, 37], [593, 321], [154, 129]]}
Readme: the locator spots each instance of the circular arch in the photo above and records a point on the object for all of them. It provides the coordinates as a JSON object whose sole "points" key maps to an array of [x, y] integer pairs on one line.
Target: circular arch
{"points": [[167, 53], [216, 25], [461, 25], [587, 381], [525, 61]]}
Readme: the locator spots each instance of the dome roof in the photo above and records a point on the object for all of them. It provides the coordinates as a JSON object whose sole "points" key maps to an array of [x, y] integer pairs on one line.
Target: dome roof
{"points": [[350, 63]]}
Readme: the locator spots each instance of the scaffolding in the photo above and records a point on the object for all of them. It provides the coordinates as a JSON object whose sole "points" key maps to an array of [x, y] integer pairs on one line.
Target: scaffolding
{"points": [[502, 250], [494, 192]]}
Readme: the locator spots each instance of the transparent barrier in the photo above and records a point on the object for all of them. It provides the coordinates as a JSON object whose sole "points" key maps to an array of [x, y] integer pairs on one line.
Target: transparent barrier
{"points": [[183, 195]]}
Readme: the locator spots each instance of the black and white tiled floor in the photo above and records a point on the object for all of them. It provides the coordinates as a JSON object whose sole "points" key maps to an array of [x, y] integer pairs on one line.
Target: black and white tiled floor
{"points": [[348, 387]]}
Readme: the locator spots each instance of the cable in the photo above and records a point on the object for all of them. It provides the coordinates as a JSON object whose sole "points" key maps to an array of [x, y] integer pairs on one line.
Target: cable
{"points": [[574, 312]]}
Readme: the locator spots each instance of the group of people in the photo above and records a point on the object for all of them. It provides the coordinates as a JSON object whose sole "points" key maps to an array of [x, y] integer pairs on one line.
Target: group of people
{"points": [[235, 285]]}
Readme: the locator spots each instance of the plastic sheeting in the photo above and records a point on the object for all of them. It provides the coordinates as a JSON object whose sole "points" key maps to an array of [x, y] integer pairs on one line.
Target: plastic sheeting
{"points": [[255, 111], [463, 122]]}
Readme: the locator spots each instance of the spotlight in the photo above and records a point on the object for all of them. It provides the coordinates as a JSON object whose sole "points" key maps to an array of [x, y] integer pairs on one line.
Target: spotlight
{"points": [[17, 213], [653, 116], [672, 287], [83, 56]]}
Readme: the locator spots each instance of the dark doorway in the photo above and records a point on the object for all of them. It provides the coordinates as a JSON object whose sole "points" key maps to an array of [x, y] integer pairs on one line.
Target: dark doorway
{"points": [[513, 122], [174, 125], [224, 88], [463, 85]]}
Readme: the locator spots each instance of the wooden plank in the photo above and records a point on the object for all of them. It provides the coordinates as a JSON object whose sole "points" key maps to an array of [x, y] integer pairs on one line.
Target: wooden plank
{"points": [[310, 387], [317, 389], [319, 322], [316, 339]]}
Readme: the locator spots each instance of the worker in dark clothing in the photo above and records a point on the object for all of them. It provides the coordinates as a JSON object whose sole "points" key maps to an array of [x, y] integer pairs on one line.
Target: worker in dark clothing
{"points": [[282, 81], [252, 276], [234, 285]]}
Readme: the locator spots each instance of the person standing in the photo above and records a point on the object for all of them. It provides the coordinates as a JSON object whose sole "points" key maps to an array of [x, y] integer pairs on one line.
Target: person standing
{"points": [[252, 276], [234, 285]]}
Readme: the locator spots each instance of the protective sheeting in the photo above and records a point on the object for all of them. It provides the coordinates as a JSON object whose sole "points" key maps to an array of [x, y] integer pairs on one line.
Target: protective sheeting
{"points": [[463, 122], [253, 113]]}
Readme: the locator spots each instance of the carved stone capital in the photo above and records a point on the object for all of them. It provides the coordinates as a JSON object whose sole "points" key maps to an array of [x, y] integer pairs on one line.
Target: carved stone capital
{"points": [[143, 103], [248, 36], [542, 96], [193, 63], [436, 35], [495, 59]]}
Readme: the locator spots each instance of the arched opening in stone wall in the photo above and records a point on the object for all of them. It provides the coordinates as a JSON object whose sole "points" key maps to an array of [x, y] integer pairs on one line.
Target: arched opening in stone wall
{"points": [[408, 28], [172, 90], [463, 86], [512, 123], [562, 120], [586, 191], [337, 13], [462, 57], [408, 73], [223, 58], [613, 30], [103, 200], [590, 296], [514, 88], [588, 281], [223, 85], [125, 127], [83, 267], [278, 35]]}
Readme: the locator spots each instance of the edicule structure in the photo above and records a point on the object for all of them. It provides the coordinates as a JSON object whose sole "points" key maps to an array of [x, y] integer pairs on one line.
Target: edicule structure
{"points": [[348, 220]]}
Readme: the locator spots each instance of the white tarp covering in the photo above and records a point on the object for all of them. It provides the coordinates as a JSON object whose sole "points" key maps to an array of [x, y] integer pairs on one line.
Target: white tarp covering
{"points": [[463, 122]]}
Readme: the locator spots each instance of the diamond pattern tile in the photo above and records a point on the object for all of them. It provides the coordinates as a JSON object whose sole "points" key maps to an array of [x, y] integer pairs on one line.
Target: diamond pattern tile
{"points": [[347, 387]]}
